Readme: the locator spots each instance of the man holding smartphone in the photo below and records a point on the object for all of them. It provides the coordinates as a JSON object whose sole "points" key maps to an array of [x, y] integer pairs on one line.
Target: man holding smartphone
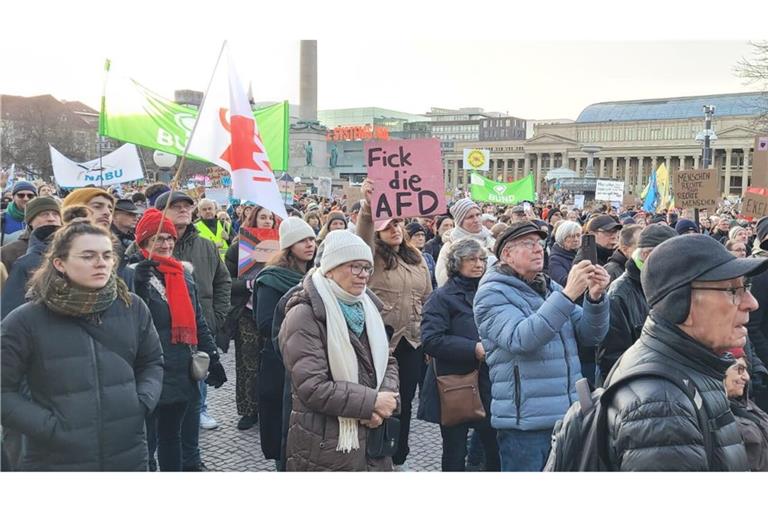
{"points": [[606, 232], [530, 328]]}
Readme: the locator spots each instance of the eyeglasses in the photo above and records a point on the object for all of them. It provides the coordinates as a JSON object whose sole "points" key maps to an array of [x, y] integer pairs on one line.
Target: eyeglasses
{"points": [[530, 244], [357, 269], [476, 259], [23, 195], [182, 205], [737, 292], [160, 240]]}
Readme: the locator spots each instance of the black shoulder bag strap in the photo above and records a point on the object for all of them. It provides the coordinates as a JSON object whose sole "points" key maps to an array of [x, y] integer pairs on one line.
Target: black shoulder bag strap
{"points": [[672, 375]]}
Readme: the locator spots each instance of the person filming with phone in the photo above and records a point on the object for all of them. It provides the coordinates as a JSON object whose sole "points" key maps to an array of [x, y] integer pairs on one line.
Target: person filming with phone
{"points": [[530, 328], [605, 231]]}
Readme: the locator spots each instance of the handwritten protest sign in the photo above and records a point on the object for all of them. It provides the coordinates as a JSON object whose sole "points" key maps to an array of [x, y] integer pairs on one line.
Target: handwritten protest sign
{"points": [[760, 162], [407, 178], [256, 246], [609, 190], [353, 194], [754, 203], [697, 188]]}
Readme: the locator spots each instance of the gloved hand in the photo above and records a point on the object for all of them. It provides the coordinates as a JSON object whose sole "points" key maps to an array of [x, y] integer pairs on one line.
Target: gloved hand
{"points": [[142, 272], [216, 375]]}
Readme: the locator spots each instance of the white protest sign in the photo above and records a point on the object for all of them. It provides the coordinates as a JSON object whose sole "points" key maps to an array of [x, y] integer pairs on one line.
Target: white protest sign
{"points": [[120, 166], [578, 201], [609, 190], [220, 195]]}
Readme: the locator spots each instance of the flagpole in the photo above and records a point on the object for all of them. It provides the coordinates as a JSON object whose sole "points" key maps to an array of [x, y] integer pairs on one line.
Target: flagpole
{"points": [[174, 181]]}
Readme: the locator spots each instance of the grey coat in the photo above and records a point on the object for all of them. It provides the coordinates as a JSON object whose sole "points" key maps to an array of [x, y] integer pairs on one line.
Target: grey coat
{"points": [[91, 386]]}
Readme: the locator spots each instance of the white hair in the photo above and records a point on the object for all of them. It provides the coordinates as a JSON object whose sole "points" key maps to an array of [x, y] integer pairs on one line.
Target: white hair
{"points": [[566, 229], [205, 201]]}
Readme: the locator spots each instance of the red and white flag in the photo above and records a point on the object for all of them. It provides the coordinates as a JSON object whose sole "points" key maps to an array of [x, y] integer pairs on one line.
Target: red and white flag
{"points": [[227, 136]]}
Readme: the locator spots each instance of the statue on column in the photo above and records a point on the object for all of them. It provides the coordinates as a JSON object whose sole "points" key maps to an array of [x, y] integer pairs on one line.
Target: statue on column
{"points": [[334, 156], [308, 152]]}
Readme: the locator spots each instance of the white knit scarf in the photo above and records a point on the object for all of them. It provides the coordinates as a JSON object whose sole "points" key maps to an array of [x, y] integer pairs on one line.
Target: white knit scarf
{"points": [[341, 355]]}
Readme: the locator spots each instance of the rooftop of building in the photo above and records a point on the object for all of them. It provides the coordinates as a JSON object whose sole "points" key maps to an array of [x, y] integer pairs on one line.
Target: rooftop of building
{"points": [[736, 104]]}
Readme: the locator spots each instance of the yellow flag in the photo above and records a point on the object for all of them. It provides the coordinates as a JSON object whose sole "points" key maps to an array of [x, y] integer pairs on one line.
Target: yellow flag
{"points": [[663, 186]]}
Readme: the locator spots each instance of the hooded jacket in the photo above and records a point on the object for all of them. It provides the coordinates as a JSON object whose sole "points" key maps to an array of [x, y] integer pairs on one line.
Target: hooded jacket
{"points": [[531, 344], [560, 263], [652, 424]]}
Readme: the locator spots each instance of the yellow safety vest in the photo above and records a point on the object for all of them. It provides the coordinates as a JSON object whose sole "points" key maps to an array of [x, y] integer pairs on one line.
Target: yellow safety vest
{"points": [[217, 238]]}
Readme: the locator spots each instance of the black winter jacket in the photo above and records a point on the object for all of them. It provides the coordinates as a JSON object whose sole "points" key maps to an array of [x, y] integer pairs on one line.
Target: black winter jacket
{"points": [[449, 335], [652, 424], [616, 264], [629, 309], [178, 386], [560, 263], [91, 386]]}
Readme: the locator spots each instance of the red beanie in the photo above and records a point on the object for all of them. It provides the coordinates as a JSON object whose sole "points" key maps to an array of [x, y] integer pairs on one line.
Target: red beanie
{"points": [[150, 222]]}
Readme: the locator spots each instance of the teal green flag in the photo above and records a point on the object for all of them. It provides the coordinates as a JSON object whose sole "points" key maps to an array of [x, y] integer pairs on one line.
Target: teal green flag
{"points": [[132, 113], [487, 191]]}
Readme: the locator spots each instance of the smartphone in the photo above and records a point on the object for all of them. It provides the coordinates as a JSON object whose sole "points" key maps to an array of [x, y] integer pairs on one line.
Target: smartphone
{"points": [[589, 248]]}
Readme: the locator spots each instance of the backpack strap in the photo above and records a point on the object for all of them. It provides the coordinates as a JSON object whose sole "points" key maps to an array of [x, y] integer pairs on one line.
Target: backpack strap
{"points": [[678, 378]]}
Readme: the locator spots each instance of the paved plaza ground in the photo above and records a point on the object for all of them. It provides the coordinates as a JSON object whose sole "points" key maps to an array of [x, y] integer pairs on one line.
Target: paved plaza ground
{"points": [[229, 449]]}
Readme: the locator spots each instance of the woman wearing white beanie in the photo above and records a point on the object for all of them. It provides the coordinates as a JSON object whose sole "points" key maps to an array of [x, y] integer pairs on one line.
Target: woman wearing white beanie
{"points": [[343, 378], [403, 283], [283, 271]]}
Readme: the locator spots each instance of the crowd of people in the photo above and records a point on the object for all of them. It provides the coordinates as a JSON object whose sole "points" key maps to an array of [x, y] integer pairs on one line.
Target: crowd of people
{"points": [[116, 306]]}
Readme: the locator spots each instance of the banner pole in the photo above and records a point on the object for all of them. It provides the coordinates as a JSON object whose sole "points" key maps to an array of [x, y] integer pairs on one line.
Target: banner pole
{"points": [[177, 176]]}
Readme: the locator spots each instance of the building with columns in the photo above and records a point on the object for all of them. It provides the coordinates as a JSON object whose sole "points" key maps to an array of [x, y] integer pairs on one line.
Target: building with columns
{"points": [[634, 137]]}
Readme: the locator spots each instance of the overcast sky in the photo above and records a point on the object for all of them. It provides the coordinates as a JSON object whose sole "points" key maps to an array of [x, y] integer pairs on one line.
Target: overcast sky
{"points": [[397, 67]]}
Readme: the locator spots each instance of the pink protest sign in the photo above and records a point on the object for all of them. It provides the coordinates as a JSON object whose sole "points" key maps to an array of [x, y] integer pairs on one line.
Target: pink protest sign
{"points": [[407, 178]]}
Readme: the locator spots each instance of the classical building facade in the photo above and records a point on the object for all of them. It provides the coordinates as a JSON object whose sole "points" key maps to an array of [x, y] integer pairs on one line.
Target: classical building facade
{"points": [[634, 138]]}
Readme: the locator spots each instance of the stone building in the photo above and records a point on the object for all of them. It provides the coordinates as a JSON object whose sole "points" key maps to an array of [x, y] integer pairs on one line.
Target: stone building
{"points": [[633, 138]]}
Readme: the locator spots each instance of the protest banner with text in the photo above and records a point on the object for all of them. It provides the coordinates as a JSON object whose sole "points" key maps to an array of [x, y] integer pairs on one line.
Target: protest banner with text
{"points": [[606, 190], [760, 162], [697, 188], [754, 203], [407, 178]]}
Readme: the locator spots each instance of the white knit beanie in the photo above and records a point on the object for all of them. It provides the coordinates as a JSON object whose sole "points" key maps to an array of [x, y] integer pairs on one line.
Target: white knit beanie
{"points": [[342, 246], [461, 209], [294, 229]]}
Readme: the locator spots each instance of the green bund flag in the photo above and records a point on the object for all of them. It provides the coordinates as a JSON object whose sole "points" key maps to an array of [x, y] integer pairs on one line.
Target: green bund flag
{"points": [[132, 113], [488, 191]]}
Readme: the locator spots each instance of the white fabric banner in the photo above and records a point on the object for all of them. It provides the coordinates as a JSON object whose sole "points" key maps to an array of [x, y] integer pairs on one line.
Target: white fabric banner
{"points": [[609, 190], [120, 166]]}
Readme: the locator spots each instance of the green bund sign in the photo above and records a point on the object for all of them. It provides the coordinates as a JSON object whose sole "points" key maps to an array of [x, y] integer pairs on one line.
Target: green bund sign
{"points": [[487, 191]]}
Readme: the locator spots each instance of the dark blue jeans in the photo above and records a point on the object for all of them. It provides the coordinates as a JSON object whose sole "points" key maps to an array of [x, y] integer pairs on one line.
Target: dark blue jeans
{"points": [[190, 435], [169, 421], [524, 450], [455, 447]]}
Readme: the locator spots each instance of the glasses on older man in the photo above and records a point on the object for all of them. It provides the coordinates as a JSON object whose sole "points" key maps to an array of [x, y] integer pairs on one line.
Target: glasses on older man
{"points": [[737, 292], [530, 244]]}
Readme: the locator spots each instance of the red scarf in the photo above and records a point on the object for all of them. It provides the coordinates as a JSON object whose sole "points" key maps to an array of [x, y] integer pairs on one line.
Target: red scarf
{"points": [[183, 322]]}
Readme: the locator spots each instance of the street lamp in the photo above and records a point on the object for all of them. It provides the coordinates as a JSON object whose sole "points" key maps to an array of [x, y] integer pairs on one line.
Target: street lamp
{"points": [[706, 136], [165, 162]]}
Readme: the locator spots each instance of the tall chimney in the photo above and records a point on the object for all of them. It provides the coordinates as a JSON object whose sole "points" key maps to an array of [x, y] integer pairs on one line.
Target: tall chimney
{"points": [[308, 81]]}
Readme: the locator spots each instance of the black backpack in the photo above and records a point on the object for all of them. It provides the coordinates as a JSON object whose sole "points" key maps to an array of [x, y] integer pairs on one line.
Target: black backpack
{"points": [[580, 439]]}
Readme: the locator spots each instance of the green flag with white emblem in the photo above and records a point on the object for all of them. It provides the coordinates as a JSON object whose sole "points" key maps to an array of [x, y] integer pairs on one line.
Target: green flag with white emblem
{"points": [[488, 191]]}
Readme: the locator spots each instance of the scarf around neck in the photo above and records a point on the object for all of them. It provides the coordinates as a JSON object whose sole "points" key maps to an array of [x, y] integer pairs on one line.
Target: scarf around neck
{"points": [[342, 359], [183, 321], [484, 236], [67, 298], [14, 212]]}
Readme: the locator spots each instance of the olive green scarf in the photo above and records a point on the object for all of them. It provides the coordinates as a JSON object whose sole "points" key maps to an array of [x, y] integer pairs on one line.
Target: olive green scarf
{"points": [[66, 298]]}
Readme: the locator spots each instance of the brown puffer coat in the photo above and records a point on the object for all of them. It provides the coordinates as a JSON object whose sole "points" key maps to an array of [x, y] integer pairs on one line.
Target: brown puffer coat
{"points": [[318, 401]]}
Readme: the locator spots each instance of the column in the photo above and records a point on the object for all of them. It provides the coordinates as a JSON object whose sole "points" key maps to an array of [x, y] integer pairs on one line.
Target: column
{"points": [[668, 162], [446, 174], [697, 161], [728, 163], [602, 167], [513, 169], [576, 165], [538, 171], [455, 175], [527, 165], [745, 172], [627, 168], [640, 162]]}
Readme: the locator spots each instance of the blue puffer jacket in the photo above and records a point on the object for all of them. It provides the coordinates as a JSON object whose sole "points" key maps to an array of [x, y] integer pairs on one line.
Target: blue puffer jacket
{"points": [[531, 348]]}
